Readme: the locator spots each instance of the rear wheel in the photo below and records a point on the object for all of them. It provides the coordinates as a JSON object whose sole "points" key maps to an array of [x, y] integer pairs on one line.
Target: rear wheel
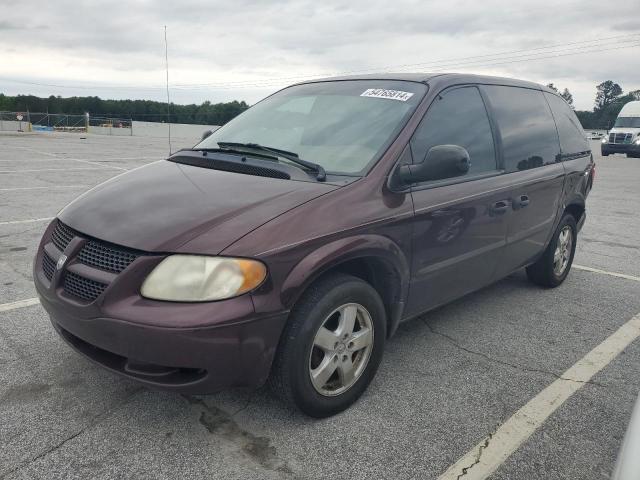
{"points": [[331, 347], [554, 265]]}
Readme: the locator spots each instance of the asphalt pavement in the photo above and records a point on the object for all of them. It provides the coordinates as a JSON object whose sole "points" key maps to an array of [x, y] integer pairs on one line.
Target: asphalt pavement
{"points": [[447, 382]]}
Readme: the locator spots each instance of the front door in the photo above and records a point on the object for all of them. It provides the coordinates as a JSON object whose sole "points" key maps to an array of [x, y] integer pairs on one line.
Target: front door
{"points": [[460, 224]]}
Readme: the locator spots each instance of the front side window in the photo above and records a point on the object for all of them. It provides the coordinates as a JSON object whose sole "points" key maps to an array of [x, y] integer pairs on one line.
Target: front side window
{"points": [[529, 136], [345, 126], [457, 117]]}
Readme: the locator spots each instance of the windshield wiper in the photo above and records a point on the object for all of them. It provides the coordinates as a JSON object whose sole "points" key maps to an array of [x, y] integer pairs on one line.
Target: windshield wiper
{"points": [[291, 156]]}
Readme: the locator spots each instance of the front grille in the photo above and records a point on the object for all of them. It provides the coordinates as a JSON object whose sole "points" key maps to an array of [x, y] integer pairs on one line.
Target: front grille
{"points": [[62, 235], [82, 287], [48, 266], [620, 137], [107, 257], [95, 253]]}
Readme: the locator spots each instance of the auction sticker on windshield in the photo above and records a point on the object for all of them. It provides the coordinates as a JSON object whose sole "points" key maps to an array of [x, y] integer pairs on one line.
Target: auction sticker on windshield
{"points": [[390, 94]]}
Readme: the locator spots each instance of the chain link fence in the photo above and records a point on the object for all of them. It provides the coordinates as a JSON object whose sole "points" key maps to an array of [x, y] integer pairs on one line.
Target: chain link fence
{"points": [[58, 122]]}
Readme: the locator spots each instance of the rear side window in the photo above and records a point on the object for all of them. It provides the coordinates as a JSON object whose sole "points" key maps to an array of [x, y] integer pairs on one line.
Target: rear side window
{"points": [[572, 137], [529, 136], [457, 117]]}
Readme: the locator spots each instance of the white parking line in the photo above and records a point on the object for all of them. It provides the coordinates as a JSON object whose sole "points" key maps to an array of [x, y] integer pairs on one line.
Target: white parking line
{"points": [[483, 459], [58, 169], [27, 302], [604, 272], [32, 220], [43, 188], [63, 158], [96, 163]]}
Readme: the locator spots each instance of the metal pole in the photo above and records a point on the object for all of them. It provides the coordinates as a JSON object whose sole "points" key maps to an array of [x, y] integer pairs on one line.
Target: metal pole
{"points": [[166, 62]]}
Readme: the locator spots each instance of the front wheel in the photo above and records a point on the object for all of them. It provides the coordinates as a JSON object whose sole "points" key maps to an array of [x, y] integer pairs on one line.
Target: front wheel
{"points": [[554, 265], [331, 347]]}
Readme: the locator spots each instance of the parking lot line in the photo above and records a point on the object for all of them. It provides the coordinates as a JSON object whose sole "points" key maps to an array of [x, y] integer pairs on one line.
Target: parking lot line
{"points": [[57, 169], [484, 459], [27, 302], [53, 155], [32, 220], [48, 187], [604, 272]]}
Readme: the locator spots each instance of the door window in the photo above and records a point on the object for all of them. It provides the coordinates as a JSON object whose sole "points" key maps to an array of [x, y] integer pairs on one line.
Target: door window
{"points": [[529, 136], [572, 137], [458, 117]]}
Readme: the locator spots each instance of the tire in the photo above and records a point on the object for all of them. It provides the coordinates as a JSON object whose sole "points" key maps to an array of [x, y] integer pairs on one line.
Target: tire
{"points": [[546, 272], [329, 303]]}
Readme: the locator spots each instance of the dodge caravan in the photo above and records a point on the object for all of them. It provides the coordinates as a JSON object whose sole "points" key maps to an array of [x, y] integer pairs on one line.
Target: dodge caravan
{"points": [[286, 247]]}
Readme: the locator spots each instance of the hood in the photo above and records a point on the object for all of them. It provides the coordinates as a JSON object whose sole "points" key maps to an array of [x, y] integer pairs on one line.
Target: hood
{"points": [[633, 130], [164, 205]]}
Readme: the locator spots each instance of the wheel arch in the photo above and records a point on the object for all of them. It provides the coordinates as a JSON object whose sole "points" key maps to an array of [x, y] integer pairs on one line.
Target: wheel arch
{"points": [[373, 258], [576, 208]]}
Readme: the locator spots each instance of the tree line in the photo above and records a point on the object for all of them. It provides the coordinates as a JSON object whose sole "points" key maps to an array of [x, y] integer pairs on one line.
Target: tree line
{"points": [[206, 113], [608, 102]]}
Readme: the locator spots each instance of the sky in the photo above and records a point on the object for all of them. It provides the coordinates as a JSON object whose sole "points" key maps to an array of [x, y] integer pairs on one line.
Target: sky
{"points": [[246, 49]]}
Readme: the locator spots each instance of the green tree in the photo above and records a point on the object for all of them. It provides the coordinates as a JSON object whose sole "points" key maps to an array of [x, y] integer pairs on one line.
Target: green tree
{"points": [[566, 94], [607, 93]]}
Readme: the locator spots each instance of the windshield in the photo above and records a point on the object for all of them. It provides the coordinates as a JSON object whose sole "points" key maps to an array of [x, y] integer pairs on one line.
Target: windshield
{"points": [[629, 122], [344, 126]]}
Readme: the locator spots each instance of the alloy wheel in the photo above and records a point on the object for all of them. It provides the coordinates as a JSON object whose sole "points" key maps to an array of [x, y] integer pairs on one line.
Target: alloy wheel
{"points": [[341, 349], [562, 253]]}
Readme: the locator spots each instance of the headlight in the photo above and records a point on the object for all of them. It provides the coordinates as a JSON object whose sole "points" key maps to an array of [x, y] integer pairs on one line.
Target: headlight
{"points": [[604, 140], [637, 142], [195, 278]]}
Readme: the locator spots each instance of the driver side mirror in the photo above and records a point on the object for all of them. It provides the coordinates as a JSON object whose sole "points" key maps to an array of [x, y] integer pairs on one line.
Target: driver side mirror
{"points": [[440, 162], [206, 134]]}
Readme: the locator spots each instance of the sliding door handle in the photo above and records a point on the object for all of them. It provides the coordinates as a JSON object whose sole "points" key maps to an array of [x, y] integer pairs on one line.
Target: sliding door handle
{"points": [[500, 207]]}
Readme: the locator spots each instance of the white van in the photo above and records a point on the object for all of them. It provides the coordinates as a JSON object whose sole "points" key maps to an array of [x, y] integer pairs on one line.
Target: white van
{"points": [[624, 137]]}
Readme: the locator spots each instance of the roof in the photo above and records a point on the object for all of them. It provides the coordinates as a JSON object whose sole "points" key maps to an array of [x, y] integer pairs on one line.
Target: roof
{"points": [[440, 78], [631, 109]]}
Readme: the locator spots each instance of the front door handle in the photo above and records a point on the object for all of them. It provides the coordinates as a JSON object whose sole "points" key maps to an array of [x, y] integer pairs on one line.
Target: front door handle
{"points": [[523, 201], [500, 207]]}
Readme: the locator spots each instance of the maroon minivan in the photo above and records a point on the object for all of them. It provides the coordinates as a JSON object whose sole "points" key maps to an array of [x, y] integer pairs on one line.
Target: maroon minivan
{"points": [[288, 245]]}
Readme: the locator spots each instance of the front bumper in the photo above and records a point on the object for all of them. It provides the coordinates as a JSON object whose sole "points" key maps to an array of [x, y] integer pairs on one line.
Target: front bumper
{"points": [[193, 348], [607, 148], [186, 360]]}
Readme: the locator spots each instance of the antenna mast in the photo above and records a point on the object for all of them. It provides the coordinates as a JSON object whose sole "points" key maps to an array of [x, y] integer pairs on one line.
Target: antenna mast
{"points": [[166, 63]]}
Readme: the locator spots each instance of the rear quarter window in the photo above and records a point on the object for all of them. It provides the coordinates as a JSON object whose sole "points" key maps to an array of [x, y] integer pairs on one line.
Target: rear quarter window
{"points": [[527, 128], [572, 137]]}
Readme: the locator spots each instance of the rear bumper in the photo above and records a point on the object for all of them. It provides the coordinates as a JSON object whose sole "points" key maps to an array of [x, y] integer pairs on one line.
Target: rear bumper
{"points": [[186, 360]]}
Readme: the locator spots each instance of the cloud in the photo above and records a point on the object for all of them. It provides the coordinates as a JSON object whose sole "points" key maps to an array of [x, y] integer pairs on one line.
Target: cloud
{"points": [[102, 44]]}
